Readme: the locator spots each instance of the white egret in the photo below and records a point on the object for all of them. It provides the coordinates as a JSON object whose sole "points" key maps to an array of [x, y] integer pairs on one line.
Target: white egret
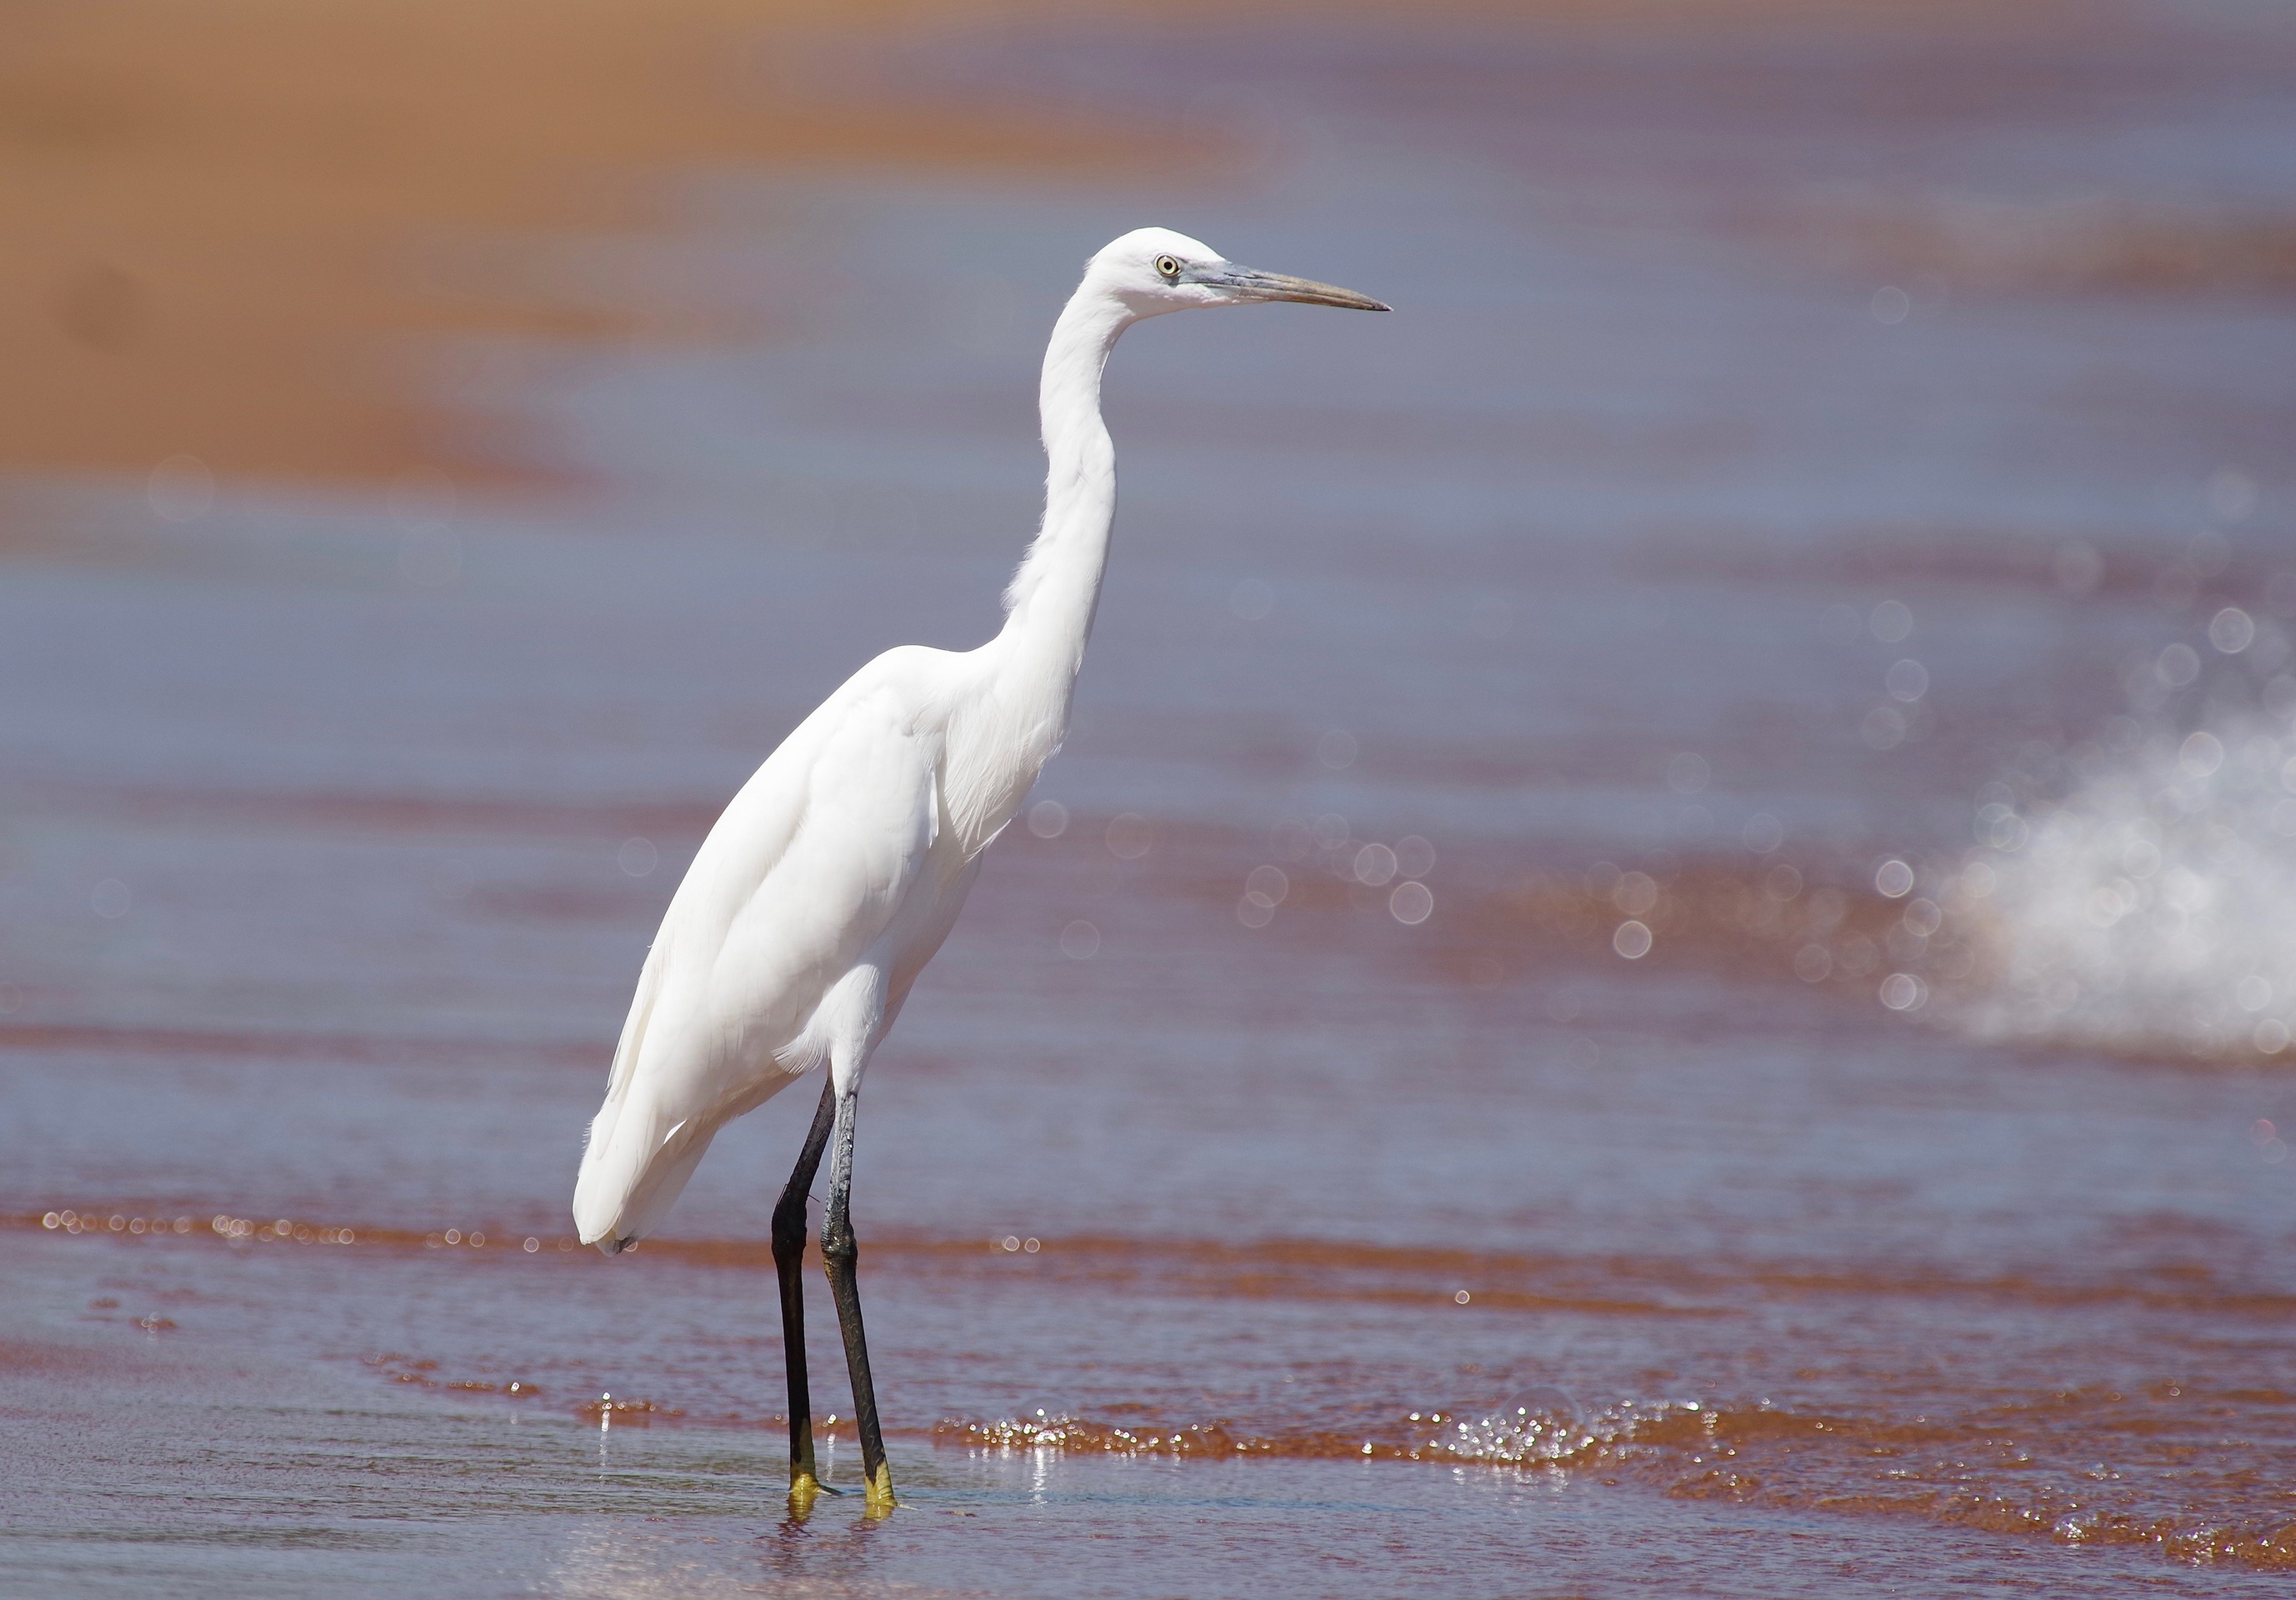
{"points": [[840, 867]]}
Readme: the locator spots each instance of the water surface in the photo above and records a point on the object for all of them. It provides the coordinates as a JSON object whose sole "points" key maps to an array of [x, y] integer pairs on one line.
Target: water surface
{"points": [[1824, 1122]]}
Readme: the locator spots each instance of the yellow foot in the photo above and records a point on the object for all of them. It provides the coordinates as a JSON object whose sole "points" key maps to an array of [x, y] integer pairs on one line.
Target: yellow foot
{"points": [[881, 1499], [804, 1491]]}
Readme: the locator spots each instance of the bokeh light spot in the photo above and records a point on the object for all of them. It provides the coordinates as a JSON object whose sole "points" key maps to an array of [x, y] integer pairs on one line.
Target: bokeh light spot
{"points": [[1902, 992], [2232, 630], [1892, 622], [180, 489], [1412, 903], [1129, 836], [2231, 494], [1636, 893]]}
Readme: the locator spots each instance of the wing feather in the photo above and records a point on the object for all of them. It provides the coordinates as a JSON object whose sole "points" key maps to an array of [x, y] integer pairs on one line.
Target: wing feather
{"points": [[812, 862]]}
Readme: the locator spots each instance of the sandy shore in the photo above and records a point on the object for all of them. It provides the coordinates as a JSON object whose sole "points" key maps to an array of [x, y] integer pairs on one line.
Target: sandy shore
{"points": [[219, 214], [216, 210]]}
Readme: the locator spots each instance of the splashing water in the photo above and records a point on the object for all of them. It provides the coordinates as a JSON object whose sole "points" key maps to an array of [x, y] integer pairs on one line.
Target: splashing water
{"points": [[1521, 1436], [2146, 905]]}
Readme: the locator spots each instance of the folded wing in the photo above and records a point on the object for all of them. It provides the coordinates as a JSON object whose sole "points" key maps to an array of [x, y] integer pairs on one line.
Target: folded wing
{"points": [[812, 865]]}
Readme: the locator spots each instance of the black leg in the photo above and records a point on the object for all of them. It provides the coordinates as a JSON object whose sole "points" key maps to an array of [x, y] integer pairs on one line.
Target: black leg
{"points": [[788, 1264], [839, 1253]]}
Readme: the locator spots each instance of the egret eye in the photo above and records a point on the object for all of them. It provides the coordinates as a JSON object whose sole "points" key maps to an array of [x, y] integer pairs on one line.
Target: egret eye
{"points": [[1169, 267]]}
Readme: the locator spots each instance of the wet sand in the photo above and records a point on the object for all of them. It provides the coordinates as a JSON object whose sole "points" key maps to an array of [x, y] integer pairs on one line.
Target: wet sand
{"points": [[1824, 1134]]}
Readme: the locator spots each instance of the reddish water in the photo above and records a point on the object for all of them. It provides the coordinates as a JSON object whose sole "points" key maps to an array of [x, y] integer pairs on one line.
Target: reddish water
{"points": [[1216, 1246]]}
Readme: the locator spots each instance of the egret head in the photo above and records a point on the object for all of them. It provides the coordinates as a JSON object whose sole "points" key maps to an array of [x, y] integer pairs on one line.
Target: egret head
{"points": [[1155, 270]]}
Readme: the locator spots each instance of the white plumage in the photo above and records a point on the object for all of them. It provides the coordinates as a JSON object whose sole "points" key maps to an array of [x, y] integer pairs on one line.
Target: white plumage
{"points": [[840, 866], [825, 887]]}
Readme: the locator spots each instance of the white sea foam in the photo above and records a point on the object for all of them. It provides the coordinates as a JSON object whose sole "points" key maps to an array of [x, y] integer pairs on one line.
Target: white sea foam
{"points": [[2140, 892]]}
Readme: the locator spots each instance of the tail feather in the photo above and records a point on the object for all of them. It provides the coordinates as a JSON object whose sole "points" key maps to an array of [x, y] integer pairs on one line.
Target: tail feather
{"points": [[633, 1167], [632, 1174]]}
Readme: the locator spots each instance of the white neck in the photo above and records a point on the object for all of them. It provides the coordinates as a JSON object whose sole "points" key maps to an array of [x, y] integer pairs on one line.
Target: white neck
{"points": [[1052, 598]]}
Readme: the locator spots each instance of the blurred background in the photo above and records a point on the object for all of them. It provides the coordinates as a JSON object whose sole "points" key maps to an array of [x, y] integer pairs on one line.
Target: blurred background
{"points": [[1660, 959]]}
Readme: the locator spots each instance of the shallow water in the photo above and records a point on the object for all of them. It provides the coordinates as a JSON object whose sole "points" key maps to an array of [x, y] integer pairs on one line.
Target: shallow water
{"points": [[1477, 1247]]}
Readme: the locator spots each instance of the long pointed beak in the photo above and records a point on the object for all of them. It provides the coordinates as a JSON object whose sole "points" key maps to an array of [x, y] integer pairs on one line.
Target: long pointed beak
{"points": [[1279, 286]]}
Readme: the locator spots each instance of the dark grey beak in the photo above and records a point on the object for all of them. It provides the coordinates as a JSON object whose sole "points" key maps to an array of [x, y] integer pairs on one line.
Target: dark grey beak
{"points": [[1278, 286]]}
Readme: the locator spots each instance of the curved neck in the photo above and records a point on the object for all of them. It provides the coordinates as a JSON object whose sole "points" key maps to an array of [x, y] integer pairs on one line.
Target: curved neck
{"points": [[1052, 598]]}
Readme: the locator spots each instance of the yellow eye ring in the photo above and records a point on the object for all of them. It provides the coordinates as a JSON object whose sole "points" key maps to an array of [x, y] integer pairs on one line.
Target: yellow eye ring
{"points": [[1168, 266]]}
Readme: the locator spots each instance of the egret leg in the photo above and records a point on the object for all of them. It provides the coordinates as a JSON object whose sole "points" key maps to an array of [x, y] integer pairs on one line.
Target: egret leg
{"points": [[788, 1264], [838, 1254]]}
